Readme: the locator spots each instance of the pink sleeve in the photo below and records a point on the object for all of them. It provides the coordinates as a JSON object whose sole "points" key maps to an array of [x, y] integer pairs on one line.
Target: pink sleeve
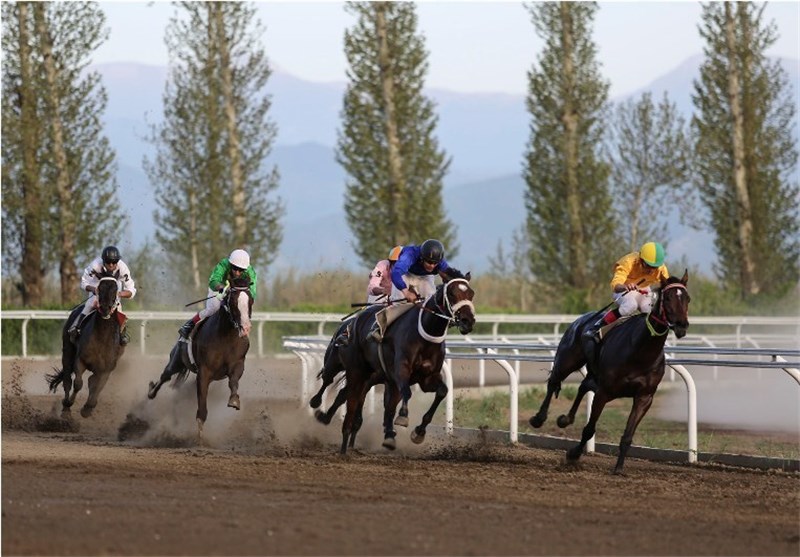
{"points": [[377, 278]]}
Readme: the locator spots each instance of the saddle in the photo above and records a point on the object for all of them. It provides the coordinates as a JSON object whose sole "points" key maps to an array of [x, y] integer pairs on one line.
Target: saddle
{"points": [[389, 315]]}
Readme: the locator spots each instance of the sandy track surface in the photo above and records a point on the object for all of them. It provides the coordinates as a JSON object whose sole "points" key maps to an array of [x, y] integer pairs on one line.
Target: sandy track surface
{"points": [[268, 481]]}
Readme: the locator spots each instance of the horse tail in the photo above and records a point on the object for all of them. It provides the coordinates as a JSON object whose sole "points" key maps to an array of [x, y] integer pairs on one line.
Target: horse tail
{"points": [[180, 378], [55, 379]]}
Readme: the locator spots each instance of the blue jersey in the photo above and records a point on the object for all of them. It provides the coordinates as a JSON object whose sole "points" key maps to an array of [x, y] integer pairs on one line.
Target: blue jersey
{"points": [[411, 262]]}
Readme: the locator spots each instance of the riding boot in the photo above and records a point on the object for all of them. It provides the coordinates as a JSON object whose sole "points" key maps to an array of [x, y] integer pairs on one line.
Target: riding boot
{"points": [[186, 328], [595, 331], [124, 337], [344, 338], [75, 329]]}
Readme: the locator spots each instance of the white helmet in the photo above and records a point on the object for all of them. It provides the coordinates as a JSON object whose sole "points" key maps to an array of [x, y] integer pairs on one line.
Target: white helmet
{"points": [[239, 258]]}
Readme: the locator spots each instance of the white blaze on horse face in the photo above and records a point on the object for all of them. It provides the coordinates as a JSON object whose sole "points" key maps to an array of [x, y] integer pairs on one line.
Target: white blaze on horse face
{"points": [[243, 303]]}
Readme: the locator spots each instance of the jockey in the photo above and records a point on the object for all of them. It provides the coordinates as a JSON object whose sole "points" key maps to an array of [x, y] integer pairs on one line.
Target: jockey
{"points": [[109, 263], [378, 289], [634, 273], [227, 270], [413, 274]]}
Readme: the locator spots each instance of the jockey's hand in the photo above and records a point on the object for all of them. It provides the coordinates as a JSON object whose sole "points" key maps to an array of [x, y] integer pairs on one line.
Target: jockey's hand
{"points": [[410, 295], [630, 286]]}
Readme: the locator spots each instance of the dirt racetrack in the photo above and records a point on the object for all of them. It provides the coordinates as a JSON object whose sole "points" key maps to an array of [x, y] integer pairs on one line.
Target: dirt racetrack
{"points": [[268, 481]]}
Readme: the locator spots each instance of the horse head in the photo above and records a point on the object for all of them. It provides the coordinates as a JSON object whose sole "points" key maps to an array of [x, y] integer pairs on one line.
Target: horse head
{"points": [[107, 296], [238, 304], [458, 301], [674, 303]]}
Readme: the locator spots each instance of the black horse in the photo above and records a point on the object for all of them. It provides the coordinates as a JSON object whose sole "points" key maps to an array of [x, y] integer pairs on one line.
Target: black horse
{"points": [[219, 345], [412, 352], [630, 363], [96, 349]]}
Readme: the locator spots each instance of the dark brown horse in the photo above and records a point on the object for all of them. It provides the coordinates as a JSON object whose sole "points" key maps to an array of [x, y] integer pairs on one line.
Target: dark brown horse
{"points": [[412, 352], [630, 363], [96, 349], [219, 345]]}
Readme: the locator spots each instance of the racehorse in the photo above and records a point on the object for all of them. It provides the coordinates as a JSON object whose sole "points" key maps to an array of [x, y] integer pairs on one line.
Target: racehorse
{"points": [[96, 349], [219, 345], [629, 363], [412, 352]]}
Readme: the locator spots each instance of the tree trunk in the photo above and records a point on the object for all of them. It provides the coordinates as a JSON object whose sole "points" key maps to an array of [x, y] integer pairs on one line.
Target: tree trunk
{"points": [[745, 218], [238, 198], [570, 122], [30, 267], [67, 267], [390, 125]]}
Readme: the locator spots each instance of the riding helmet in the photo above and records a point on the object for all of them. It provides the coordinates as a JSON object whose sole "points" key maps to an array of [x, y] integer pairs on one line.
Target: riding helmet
{"points": [[432, 250], [110, 254], [652, 253], [239, 258], [394, 253]]}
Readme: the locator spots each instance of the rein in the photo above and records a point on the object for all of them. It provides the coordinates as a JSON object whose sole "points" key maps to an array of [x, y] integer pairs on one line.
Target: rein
{"points": [[116, 302], [227, 304]]}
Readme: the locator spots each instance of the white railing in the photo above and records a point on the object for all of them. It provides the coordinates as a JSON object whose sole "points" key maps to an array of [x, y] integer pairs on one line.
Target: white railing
{"points": [[744, 330], [311, 349]]}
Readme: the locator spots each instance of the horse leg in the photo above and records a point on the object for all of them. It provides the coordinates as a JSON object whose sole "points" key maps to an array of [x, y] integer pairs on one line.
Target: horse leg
{"points": [[327, 416], [569, 358], [418, 435], [330, 369], [353, 392], [173, 366], [76, 383], [391, 397], [96, 383], [233, 385], [588, 384], [600, 401], [374, 379], [402, 416], [202, 382], [641, 404]]}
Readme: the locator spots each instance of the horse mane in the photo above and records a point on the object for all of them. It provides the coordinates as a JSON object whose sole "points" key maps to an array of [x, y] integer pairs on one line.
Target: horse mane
{"points": [[241, 282]]}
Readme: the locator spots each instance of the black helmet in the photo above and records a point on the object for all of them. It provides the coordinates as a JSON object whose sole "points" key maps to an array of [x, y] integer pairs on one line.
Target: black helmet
{"points": [[432, 251], [110, 254]]}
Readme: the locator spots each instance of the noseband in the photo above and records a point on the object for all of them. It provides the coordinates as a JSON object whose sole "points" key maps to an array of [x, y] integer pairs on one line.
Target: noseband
{"points": [[227, 305], [449, 312], [116, 300], [661, 317]]}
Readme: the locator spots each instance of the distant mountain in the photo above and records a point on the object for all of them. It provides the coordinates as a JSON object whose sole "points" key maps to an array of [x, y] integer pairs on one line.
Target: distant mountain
{"points": [[484, 134]]}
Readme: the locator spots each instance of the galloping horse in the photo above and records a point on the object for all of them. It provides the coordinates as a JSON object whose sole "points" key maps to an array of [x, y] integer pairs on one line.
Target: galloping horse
{"points": [[630, 363], [97, 349], [219, 346], [412, 352]]}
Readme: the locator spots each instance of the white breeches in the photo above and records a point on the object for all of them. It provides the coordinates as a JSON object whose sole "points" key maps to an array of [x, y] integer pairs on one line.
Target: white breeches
{"points": [[212, 305], [634, 300], [424, 286]]}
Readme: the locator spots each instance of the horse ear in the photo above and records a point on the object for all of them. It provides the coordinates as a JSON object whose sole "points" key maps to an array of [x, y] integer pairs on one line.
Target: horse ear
{"points": [[685, 278], [468, 276]]}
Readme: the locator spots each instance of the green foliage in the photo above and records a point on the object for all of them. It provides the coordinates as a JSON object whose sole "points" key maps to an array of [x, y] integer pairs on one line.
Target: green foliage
{"points": [[387, 145], [746, 152], [567, 200], [58, 167], [213, 192]]}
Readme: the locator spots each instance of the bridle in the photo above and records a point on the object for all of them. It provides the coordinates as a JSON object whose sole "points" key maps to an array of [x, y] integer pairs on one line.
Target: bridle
{"points": [[659, 317], [444, 310], [116, 300], [227, 305]]}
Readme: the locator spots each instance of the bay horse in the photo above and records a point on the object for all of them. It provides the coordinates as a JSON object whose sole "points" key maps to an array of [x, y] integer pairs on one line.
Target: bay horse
{"points": [[96, 349], [412, 352], [629, 363], [219, 345]]}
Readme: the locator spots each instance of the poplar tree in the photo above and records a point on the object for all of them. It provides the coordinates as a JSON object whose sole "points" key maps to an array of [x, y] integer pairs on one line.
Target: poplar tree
{"points": [[59, 173], [746, 152], [208, 172], [651, 167], [387, 143], [569, 216]]}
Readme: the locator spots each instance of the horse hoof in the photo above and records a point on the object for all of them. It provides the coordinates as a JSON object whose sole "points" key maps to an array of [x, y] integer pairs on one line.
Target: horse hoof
{"points": [[322, 417], [390, 443], [152, 391], [563, 421], [417, 438], [401, 421], [86, 412], [315, 401], [536, 421], [233, 402]]}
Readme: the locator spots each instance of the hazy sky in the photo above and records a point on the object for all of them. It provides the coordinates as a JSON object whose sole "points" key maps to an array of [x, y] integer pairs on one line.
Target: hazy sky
{"points": [[473, 46]]}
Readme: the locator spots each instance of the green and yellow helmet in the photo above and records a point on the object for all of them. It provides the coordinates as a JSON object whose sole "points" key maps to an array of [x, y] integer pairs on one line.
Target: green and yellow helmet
{"points": [[652, 253]]}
